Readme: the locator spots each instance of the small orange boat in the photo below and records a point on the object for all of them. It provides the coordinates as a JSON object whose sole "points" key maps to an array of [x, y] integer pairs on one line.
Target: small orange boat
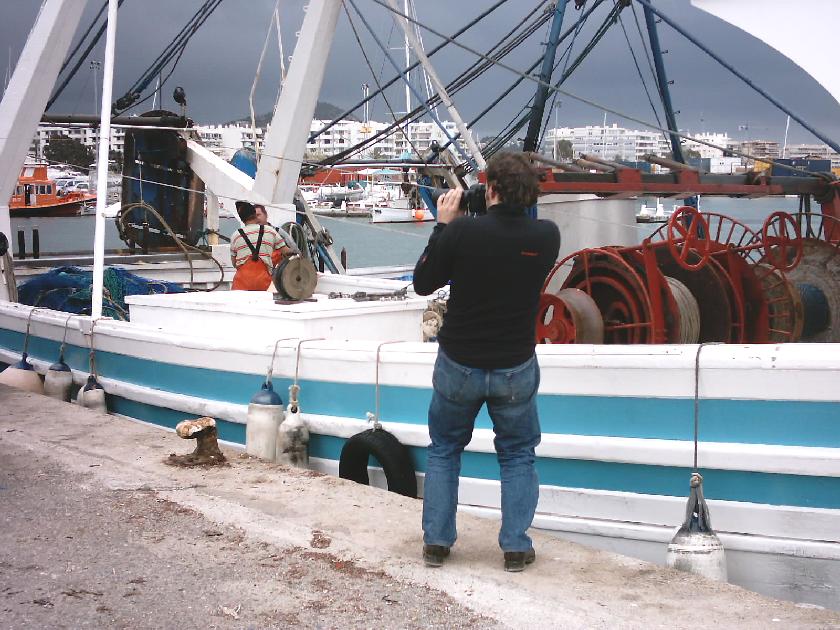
{"points": [[38, 195]]}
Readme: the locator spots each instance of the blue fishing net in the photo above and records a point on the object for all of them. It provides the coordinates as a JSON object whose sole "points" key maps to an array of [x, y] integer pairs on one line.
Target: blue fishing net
{"points": [[69, 289]]}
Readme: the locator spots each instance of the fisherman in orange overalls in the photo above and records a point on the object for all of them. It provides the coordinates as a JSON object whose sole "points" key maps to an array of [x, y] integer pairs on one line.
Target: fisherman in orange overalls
{"points": [[255, 250]]}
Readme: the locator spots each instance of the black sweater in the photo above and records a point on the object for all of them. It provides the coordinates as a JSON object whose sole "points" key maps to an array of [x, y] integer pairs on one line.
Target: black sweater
{"points": [[497, 264]]}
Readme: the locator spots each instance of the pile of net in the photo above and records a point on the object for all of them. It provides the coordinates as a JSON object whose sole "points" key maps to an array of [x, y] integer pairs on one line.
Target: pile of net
{"points": [[69, 289]]}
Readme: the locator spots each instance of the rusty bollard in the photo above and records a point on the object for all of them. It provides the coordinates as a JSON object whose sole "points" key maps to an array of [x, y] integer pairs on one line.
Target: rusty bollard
{"points": [[206, 453]]}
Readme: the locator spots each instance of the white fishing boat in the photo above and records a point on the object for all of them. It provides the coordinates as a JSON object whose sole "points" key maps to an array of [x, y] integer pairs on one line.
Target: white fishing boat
{"points": [[620, 422], [655, 213]]}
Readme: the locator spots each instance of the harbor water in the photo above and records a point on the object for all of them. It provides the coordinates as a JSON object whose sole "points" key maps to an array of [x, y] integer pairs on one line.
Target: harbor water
{"points": [[367, 245]]}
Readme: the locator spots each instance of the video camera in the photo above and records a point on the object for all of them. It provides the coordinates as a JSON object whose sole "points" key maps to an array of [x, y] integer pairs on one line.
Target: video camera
{"points": [[472, 199]]}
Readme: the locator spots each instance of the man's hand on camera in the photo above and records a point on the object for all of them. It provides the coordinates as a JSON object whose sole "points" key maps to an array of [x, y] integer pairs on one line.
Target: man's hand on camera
{"points": [[448, 206]]}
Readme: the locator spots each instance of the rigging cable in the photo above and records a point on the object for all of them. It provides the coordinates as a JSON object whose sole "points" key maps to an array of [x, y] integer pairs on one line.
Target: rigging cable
{"points": [[411, 87], [504, 138], [600, 32], [393, 80], [666, 136], [821, 136], [457, 84], [171, 54], [499, 50], [639, 70], [376, 80], [565, 59], [81, 59], [596, 104]]}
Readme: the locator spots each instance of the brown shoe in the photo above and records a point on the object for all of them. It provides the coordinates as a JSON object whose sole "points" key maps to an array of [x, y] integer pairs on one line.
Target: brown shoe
{"points": [[434, 555], [515, 561]]}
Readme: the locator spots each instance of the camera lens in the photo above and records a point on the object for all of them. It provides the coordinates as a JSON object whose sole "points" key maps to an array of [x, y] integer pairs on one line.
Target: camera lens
{"points": [[472, 199]]}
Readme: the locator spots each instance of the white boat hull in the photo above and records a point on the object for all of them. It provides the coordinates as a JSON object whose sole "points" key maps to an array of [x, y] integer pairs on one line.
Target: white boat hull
{"points": [[617, 420]]}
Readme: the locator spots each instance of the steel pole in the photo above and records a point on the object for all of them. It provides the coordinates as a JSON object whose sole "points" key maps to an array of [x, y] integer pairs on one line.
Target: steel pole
{"points": [[538, 108], [662, 82], [102, 163]]}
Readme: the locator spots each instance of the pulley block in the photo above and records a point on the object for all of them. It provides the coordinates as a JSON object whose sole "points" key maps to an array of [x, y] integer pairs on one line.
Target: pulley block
{"points": [[295, 278]]}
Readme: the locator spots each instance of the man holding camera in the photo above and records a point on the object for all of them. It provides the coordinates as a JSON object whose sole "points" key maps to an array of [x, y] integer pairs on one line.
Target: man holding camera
{"points": [[496, 264]]}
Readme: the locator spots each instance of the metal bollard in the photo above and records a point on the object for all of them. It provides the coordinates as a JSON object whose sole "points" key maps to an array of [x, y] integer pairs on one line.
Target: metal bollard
{"points": [[145, 245], [21, 244], [36, 243]]}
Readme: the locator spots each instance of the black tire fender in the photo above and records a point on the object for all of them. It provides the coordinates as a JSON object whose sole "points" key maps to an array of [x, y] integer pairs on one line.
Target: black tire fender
{"points": [[393, 456]]}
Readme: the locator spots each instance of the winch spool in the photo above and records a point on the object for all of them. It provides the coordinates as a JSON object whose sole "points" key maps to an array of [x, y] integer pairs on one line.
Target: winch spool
{"points": [[295, 278], [816, 310], [820, 268], [688, 309], [786, 315], [619, 292], [570, 316], [706, 284]]}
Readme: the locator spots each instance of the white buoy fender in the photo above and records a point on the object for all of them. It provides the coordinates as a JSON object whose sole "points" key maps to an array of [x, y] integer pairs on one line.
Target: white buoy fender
{"points": [[92, 396], [58, 381], [695, 547], [265, 413], [293, 439], [23, 376]]}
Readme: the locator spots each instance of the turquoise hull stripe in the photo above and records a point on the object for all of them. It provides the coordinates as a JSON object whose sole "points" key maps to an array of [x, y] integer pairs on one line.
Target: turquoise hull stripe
{"points": [[787, 423], [728, 485]]}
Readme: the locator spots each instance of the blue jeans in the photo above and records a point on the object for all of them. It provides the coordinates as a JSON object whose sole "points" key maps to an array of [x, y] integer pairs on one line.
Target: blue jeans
{"points": [[459, 392]]}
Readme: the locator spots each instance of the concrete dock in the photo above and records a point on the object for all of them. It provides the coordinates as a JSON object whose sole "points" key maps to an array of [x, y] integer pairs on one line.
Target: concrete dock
{"points": [[99, 532]]}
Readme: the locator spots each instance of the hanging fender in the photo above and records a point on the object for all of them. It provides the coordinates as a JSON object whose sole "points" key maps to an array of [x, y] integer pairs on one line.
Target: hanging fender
{"points": [[392, 455]]}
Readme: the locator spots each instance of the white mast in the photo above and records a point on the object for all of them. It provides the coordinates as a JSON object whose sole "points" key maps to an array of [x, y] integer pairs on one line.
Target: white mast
{"points": [[407, 63], [102, 162], [784, 146]]}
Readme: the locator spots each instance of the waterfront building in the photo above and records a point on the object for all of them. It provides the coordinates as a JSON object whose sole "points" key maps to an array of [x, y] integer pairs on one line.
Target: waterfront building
{"points": [[815, 151], [716, 138], [608, 142], [87, 135]]}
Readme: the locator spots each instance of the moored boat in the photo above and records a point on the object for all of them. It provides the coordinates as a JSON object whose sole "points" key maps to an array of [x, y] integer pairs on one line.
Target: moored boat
{"points": [[37, 195]]}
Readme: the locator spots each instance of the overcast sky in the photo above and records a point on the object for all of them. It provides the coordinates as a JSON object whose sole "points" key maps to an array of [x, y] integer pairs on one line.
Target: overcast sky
{"points": [[219, 65]]}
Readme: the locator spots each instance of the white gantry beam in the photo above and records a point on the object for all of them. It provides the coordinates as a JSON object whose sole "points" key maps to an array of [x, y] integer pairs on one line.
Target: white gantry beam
{"points": [[29, 90], [285, 141]]}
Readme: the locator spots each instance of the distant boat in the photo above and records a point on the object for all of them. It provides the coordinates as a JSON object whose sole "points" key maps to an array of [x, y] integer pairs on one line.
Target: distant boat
{"points": [[38, 195], [654, 214]]}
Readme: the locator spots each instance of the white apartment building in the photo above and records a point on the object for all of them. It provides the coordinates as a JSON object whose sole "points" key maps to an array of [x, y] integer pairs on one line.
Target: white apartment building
{"points": [[716, 138], [609, 142], [422, 134], [225, 140], [88, 136], [347, 133]]}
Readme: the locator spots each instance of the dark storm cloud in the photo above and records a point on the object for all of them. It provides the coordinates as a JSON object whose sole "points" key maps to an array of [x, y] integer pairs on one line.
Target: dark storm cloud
{"points": [[218, 67]]}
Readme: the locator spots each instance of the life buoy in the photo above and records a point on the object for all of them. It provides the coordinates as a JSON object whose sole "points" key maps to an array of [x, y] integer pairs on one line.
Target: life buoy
{"points": [[391, 454]]}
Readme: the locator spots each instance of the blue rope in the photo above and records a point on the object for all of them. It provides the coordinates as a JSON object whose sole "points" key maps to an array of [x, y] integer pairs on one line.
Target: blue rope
{"points": [[705, 49], [411, 87]]}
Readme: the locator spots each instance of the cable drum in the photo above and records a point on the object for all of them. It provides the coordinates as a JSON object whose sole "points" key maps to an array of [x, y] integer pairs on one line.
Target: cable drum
{"points": [[688, 309]]}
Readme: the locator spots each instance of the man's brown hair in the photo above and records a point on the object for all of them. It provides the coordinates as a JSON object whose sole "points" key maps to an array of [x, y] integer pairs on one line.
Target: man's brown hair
{"points": [[514, 179], [245, 210]]}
